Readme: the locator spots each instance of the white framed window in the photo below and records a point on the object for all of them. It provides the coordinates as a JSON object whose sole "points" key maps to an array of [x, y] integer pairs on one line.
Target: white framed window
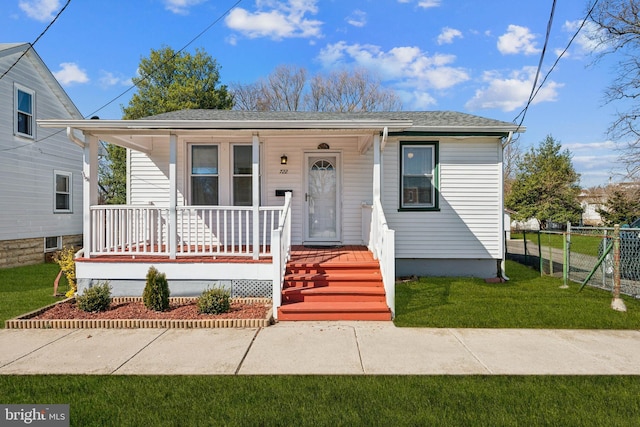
{"points": [[242, 182], [418, 176], [204, 175], [52, 244], [24, 101], [62, 185]]}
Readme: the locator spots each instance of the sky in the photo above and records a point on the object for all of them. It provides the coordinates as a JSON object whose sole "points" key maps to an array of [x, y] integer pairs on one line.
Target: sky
{"points": [[476, 57]]}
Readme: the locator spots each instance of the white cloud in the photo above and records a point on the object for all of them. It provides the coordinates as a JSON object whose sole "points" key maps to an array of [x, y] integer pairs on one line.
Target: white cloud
{"points": [[512, 92], [589, 38], [407, 66], [358, 18], [426, 4], [40, 10], [517, 40], [108, 79], [276, 19], [448, 35], [181, 7], [70, 73]]}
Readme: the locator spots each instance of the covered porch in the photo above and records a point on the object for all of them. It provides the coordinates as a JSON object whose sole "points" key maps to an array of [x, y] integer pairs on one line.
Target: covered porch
{"points": [[166, 224]]}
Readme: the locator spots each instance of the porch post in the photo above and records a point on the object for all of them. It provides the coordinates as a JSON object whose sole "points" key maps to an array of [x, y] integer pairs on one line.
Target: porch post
{"points": [[376, 167], [89, 189], [255, 189], [173, 198]]}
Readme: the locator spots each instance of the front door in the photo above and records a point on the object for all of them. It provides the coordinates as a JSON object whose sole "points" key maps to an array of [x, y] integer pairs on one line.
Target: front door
{"points": [[322, 198]]}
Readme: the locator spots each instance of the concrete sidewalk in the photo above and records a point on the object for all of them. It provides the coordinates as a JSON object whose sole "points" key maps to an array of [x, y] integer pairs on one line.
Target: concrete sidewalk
{"points": [[369, 348]]}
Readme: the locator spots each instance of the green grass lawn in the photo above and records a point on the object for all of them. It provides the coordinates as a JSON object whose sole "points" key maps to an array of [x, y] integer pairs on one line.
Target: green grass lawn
{"points": [[334, 400], [525, 301], [528, 300], [587, 245], [24, 289]]}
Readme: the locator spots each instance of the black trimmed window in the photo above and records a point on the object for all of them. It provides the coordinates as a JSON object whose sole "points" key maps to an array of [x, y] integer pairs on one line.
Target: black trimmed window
{"points": [[62, 189], [24, 108], [242, 175], [418, 175], [204, 175]]}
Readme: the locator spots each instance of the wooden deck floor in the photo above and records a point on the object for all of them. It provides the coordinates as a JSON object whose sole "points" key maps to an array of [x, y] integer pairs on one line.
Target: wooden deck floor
{"points": [[299, 254]]}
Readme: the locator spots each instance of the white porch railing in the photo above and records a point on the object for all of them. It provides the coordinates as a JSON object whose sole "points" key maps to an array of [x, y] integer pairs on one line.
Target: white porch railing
{"points": [[382, 244], [224, 230], [134, 230], [281, 251], [200, 230]]}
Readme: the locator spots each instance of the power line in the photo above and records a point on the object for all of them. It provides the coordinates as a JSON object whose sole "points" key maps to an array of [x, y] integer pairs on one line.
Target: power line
{"points": [[36, 40], [564, 51], [170, 59], [533, 93], [200, 34]]}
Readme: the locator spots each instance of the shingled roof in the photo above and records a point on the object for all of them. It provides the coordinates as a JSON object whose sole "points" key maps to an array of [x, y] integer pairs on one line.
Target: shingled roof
{"points": [[427, 119]]}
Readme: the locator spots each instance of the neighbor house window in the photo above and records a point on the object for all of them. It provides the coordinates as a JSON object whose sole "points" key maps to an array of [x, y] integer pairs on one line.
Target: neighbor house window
{"points": [[62, 191], [24, 107], [52, 244], [204, 175], [242, 171], [418, 175]]}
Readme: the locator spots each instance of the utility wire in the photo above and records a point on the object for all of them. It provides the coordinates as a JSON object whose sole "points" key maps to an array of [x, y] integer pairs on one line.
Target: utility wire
{"points": [[36, 40], [564, 51], [200, 34], [145, 77], [533, 93]]}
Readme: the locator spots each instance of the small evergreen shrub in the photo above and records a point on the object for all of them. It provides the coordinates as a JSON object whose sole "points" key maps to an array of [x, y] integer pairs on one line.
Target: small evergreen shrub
{"points": [[96, 298], [214, 301], [156, 291]]}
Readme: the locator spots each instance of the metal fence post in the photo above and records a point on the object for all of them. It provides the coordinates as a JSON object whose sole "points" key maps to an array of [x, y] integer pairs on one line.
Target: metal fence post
{"points": [[566, 244], [540, 253], [617, 303], [524, 239]]}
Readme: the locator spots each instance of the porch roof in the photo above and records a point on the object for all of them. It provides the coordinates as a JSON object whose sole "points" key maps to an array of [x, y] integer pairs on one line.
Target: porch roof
{"points": [[138, 133]]}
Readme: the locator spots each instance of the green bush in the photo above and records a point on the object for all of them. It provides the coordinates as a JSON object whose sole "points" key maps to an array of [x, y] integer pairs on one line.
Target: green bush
{"points": [[214, 301], [96, 298], [156, 291]]}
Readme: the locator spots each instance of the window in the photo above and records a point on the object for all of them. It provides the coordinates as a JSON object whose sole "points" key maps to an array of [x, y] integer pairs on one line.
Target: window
{"points": [[242, 181], [52, 244], [418, 176], [24, 104], [62, 191], [204, 175]]}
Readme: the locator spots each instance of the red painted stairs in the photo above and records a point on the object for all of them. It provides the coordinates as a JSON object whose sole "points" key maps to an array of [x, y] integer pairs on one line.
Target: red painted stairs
{"points": [[333, 291]]}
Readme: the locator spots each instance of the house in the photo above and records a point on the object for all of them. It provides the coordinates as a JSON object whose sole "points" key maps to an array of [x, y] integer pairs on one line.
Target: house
{"points": [[40, 169], [263, 202], [591, 201]]}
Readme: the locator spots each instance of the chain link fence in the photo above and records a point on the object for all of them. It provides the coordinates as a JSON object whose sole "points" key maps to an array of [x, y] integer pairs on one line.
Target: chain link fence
{"points": [[591, 256]]}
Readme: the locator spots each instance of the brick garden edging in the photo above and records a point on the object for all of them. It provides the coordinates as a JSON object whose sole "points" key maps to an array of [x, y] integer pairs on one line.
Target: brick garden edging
{"points": [[26, 321]]}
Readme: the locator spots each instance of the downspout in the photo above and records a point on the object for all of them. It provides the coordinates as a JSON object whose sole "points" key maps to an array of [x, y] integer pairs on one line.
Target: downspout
{"points": [[73, 138], [502, 274]]}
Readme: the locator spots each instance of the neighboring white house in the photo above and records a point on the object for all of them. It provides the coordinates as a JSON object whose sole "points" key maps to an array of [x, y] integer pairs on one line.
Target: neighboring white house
{"points": [[421, 190], [40, 169]]}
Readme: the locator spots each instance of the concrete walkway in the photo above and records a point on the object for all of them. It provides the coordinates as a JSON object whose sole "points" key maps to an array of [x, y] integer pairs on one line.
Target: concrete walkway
{"points": [[369, 348]]}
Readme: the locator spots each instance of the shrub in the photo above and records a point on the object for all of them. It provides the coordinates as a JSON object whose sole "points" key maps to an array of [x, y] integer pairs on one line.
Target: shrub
{"points": [[156, 291], [214, 301], [96, 298], [65, 259]]}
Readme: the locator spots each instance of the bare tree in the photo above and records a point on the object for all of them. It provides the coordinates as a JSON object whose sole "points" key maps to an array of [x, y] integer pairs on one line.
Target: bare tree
{"points": [[618, 32], [510, 159], [284, 90], [344, 91]]}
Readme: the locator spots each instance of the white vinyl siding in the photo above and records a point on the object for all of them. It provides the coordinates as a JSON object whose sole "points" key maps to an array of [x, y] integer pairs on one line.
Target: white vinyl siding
{"points": [[149, 180], [467, 225], [27, 168]]}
